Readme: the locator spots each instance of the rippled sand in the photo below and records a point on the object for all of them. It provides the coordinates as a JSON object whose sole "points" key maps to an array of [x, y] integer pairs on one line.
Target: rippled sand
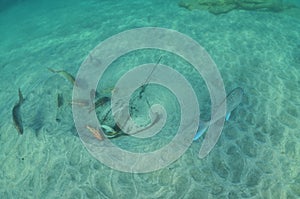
{"points": [[257, 155]]}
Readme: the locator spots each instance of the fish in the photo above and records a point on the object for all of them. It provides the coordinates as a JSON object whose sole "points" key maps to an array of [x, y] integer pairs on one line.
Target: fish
{"points": [[108, 131], [96, 133], [112, 132], [100, 102], [64, 74], [233, 99], [80, 102], [92, 94], [16, 115], [203, 126], [60, 100]]}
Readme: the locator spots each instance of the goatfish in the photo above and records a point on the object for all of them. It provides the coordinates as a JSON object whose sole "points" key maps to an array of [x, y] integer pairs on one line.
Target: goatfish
{"points": [[16, 114], [64, 74], [96, 133], [233, 99], [80, 102]]}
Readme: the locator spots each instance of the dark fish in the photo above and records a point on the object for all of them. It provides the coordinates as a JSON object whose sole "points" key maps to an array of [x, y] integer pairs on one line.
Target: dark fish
{"points": [[100, 102], [92, 95], [60, 100], [16, 114], [64, 74]]}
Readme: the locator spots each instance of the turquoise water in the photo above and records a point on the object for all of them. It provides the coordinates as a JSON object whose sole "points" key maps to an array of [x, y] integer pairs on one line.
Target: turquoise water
{"points": [[257, 155]]}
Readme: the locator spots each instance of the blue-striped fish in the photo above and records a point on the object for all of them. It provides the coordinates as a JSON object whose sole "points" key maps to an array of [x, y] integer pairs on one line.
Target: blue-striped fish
{"points": [[233, 99]]}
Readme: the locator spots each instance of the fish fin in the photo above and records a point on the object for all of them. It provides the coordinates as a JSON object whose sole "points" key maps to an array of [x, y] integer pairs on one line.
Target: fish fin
{"points": [[228, 116], [201, 130]]}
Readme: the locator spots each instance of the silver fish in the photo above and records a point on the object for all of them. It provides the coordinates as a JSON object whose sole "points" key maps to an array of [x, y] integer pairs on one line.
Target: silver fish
{"points": [[233, 99]]}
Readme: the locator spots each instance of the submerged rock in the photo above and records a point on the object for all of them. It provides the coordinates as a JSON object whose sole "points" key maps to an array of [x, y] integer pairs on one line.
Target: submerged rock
{"points": [[5, 4], [224, 6]]}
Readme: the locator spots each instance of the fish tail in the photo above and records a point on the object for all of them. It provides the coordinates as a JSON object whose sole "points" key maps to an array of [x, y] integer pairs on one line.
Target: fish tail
{"points": [[52, 70], [228, 116], [21, 98], [203, 126]]}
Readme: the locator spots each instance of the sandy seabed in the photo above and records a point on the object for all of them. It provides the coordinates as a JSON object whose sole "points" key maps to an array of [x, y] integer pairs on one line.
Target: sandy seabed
{"points": [[257, 155]]}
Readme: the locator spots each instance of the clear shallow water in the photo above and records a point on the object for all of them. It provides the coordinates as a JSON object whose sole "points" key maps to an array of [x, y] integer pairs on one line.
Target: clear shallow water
{"points": [[257, 155]]}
